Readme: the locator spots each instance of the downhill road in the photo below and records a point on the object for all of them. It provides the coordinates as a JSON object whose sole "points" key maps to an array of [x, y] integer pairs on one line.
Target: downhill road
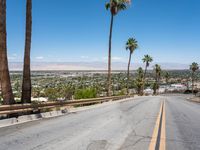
{"points": [[143, 123]]}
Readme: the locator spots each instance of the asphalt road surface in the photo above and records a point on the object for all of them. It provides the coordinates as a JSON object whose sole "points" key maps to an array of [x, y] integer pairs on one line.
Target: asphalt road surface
{"points": [[143, 123]]}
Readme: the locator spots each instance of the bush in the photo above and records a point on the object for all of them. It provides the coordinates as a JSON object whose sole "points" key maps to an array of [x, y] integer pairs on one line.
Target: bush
{"points": [[122, 92], [85, 93], [52, 94], [64, 92]]}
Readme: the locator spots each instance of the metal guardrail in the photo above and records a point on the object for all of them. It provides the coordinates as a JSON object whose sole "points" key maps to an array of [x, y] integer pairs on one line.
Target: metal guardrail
{"points": [[24, 108]]}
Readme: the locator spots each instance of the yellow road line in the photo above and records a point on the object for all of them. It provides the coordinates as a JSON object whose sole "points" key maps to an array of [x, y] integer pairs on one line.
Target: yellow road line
{"points": [[163, 131], [155, 134]]}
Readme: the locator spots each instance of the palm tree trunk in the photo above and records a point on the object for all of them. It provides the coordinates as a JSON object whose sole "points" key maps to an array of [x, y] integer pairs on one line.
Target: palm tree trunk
{"points": [[6, 88], [156, 84], [26, 85], [128, 70], [144, 79], [109, 57], [192, 82], [145, 71]]}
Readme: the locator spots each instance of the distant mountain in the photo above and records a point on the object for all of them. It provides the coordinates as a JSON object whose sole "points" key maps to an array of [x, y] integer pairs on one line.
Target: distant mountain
{"points": [[17, 66]]}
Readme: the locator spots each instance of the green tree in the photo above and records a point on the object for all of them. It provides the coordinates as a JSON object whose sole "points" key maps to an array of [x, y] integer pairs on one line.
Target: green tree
{"points": [[7, 93], [67, 92], [17, 89], [114, 6], [26, 84], [52, 94], [193, 67], [131, 45], [157, 70], [1, 100], [85, 93], [147, 60], [139, 80], [36, 92], [155, 87], [167, 75]]}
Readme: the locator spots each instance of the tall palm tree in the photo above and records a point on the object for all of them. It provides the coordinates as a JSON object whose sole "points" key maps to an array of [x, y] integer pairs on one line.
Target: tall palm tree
{"points": [[114, 6], [26, 85], [147, 60], [6, 88], [157, 70], [131, 45], [193, 67]]}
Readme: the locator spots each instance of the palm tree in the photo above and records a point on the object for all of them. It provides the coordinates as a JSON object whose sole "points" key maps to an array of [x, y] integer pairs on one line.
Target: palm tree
{"points": [[194, 67], [139, 80], [26, 85], [131, 45], [157, 70], [167, 77], [114, 6], [147, 59], [6, 88]]}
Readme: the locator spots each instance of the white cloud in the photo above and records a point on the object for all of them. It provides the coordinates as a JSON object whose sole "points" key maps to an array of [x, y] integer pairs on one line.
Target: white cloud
{"points": [[117, 58], [15, 55], [84, 57], [95, 59], [12, 57], [114, 58], [105, 58], [39, 57]]}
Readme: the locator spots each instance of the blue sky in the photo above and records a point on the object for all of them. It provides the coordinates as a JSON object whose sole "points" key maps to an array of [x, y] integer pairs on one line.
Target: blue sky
{"points": [[71, 31]]}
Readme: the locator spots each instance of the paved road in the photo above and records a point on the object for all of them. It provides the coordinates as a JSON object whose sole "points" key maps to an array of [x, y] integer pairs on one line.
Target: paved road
{"points": [[127, 125], [182, 124]]}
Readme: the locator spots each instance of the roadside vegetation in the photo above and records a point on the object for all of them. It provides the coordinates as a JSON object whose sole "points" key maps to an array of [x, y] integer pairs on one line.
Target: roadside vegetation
{"points": [[193, 67], [85, 93]]}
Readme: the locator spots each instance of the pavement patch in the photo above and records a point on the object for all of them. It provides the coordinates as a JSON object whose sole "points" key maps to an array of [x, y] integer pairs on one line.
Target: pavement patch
{"points": [[98, 145]]}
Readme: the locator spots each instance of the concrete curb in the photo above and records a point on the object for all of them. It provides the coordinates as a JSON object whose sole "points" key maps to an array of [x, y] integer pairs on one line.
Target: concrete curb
{"points": [[51, 114], [6, 122], [27, 118], [194, 99]]}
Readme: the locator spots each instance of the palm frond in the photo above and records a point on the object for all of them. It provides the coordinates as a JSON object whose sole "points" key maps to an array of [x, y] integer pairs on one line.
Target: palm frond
{"points": [[194, 67], [107, 6], [131, 45], [147, 59], [121, 6], [117, 5]]}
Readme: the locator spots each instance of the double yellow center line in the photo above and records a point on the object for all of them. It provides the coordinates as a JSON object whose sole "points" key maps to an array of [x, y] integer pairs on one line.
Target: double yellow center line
{"points": [[158, 140]]}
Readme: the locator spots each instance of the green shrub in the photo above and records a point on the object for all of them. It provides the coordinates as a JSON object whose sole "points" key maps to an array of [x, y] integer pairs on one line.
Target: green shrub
{"points": [[85, 93]]}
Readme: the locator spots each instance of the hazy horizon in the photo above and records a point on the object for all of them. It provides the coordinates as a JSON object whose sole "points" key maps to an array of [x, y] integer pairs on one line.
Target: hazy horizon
{"points": [[18, 66]]}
